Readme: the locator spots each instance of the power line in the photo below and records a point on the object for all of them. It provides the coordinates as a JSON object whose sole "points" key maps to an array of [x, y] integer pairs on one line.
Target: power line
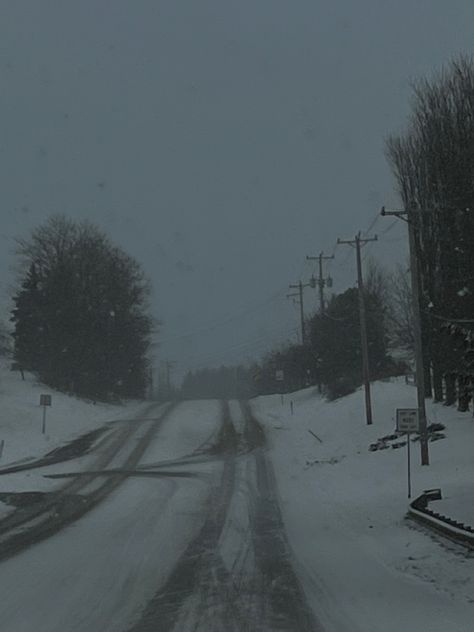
{"points": [[223, 322], [389, 228], [258, 344], [344, 263], [269, 333], [384, 232], [374, 221]]}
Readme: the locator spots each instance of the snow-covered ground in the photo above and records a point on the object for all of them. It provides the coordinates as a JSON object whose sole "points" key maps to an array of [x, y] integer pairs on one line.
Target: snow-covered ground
{"points": [[21, 416], [364, 567], [344, 509], [100, 572]]}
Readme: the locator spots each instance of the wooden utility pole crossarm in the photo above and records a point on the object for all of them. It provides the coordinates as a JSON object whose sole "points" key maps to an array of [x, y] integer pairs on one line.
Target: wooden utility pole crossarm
{"points": [[321, 280], [357, 242]]}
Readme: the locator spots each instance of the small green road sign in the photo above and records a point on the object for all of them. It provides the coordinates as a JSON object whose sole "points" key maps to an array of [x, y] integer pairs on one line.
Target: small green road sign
{"points": [[45, 400]]}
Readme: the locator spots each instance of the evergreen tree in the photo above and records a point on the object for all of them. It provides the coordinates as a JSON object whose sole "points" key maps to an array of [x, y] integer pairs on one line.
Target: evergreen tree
{"points": [[80, 317], [335, 341]]}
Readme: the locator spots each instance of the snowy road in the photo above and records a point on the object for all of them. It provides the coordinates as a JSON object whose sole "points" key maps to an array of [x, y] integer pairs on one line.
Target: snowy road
{"points": [[194, 540], [40, 514], [236, 574], [177, 522]]}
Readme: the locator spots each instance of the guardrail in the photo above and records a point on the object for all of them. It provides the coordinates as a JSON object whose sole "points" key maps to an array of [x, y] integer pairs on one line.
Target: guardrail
{"points": [[450, 528]]}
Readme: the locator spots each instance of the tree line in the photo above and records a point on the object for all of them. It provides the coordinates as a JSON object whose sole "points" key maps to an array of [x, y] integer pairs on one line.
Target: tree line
{"points": [[331, 356], [433, 163]]}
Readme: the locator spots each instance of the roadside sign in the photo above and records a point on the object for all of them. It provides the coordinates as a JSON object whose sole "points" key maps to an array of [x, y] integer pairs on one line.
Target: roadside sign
{"points": [[45, 400], [407, 420], [279, 375]]}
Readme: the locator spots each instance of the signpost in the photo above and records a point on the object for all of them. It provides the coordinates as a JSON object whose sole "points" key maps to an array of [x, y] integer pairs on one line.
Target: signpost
{"points": [[408, 421], [45, 400]]}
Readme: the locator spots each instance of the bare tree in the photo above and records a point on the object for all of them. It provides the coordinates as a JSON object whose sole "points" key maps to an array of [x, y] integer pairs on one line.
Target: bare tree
{"points": [[433, 163], [400, 313]]}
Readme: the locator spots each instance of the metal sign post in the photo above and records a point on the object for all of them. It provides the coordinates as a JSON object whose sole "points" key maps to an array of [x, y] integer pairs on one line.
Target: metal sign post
{"points": [[408, 422], [45, 400], [409, 465]]}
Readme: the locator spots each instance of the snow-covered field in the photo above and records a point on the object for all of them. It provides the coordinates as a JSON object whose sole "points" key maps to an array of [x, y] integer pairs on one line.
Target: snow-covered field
{"points": [[344, 509]]}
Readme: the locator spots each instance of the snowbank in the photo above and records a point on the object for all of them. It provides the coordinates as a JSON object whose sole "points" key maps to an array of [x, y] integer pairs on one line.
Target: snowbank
{"points": [[67, 418], [344, 508]]}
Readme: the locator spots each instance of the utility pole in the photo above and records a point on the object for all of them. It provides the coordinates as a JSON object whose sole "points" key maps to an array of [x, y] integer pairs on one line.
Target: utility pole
{"points": [[168, 367], [415, 290], [300, 287], [358, 242], [321, 280], [150, 382]]}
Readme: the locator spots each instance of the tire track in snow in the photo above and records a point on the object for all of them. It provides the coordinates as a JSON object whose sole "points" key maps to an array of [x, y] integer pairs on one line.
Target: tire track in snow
{"points": [[284, 605], [163, 612], [33, 524], [236, 574]]}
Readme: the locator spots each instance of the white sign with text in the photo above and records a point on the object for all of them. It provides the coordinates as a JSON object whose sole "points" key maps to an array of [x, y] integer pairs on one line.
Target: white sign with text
{"points": [[407, 420]]}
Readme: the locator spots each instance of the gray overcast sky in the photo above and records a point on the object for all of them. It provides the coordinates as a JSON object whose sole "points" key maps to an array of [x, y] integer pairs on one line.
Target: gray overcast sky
{"points": [[218, 141]]}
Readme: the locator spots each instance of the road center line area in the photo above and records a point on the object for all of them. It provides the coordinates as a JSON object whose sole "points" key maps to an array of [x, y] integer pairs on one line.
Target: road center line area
{"points": [[175, 528]]}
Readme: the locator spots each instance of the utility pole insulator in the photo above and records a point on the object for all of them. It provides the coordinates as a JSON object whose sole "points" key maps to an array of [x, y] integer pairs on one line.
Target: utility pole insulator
{"points": [[321, 281]]}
